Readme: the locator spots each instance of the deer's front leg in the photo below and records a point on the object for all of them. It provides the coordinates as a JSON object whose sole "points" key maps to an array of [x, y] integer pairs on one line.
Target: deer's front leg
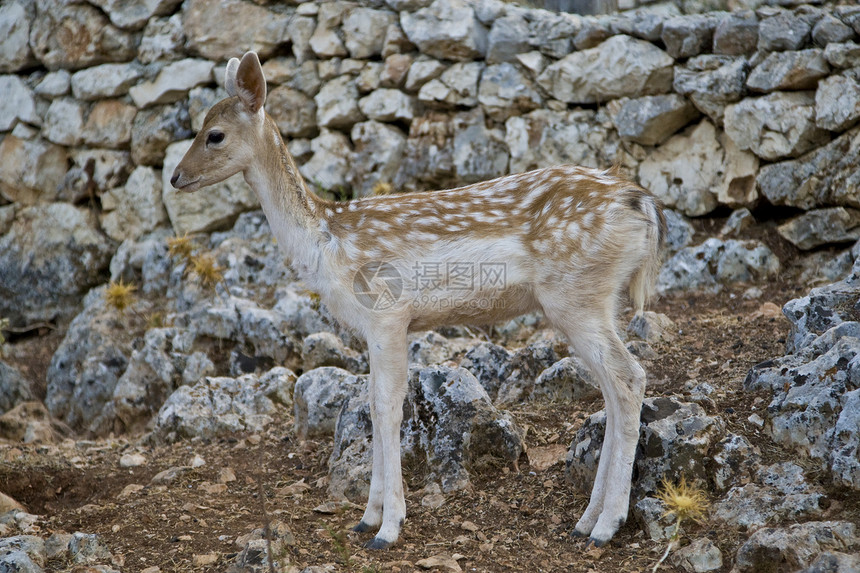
{"points": [[388, 368]]}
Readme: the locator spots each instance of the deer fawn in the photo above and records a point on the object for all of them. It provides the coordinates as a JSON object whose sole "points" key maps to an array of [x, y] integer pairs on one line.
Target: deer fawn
{"points": [[566, 240]]}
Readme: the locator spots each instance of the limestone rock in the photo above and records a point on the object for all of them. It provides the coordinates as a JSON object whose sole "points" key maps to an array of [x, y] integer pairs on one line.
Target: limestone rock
{"points": [[15, 22], [32, 169], [105, 81], [520, 374], [592, 32], [387, 104], [740, 220], [134, 14], [293, 112], [422, 70], [824, 176], [377, 157], [318, 399], [818, 312], [714, 263], [88, 37], [504, 91], [337, 103], [770, 549], [775, 126], [687, 36], [837, 103], [780, 492], [163, 40], [552, 33], [734, 462], [213, 208], [216, 27], [356, 24], [835, 562], [325, 349], [822, 226], [14, 388], [507, 38], [17, 104], [652, 327], [104, 168], [736, 34], [799, 70], [54, 84], [479, 153], [457, 86], [650, 120], [135, 208], [85, 368], [700, 556], [844, 55], [300, 29], [155, 369], [64, 121], [51, 256], [328, 167], [218, 407], [487, 362], [154, 128], [109, 124], [619, 67], [446, 29], [712, 82], [830, 29], [813, 410], [543, 138], [568, 379], [684, 171], [784, 31], [680, 231], [326, 42], [394, 70], [173, 83]]}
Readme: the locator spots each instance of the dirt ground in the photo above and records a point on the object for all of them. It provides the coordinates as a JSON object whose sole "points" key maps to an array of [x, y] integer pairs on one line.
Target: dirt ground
{"points": [[514, 518]]}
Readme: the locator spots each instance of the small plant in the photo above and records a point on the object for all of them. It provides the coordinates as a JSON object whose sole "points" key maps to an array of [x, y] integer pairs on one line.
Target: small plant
{"points": [[120, 295], [181, 247], [683, 502], [382, 188], [206, 269], [340, 544]]}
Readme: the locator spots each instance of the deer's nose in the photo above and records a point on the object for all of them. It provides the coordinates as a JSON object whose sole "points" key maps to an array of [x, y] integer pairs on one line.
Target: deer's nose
{"points": [[175, 178]]}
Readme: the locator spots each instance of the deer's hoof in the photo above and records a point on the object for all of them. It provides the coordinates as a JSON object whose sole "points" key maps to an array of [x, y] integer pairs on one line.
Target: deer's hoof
{"points": [[362, 527], [377, 543]]}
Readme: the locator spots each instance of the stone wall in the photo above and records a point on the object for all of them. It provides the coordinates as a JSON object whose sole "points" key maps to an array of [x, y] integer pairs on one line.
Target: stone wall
{"points": [[736, 109]]}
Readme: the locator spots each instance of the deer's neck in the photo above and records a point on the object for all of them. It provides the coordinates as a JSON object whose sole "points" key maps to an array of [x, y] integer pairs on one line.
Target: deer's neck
{"points": [[293, 211]]}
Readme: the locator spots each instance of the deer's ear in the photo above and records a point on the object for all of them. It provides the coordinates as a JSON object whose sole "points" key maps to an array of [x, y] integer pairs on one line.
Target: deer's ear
{"points": [[230, 77], [250, 83]]}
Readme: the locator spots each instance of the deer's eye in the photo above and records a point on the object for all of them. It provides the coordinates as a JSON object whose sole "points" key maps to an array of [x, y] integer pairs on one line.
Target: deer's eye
{"points": [[214, 137]]}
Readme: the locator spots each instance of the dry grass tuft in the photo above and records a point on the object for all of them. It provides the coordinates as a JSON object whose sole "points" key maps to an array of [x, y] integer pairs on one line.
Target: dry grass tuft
{"points": [[206, 269], [120, 295], [382, 188], [180, 247], [683, 501]]}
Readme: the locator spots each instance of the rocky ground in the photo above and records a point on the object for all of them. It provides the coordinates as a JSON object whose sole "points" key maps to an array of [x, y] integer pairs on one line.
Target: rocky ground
{"points": [[187, 493]]}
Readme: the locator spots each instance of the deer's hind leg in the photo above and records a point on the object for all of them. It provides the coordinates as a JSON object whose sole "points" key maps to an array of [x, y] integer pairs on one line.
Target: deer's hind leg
{"points": [[590, 330]]}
